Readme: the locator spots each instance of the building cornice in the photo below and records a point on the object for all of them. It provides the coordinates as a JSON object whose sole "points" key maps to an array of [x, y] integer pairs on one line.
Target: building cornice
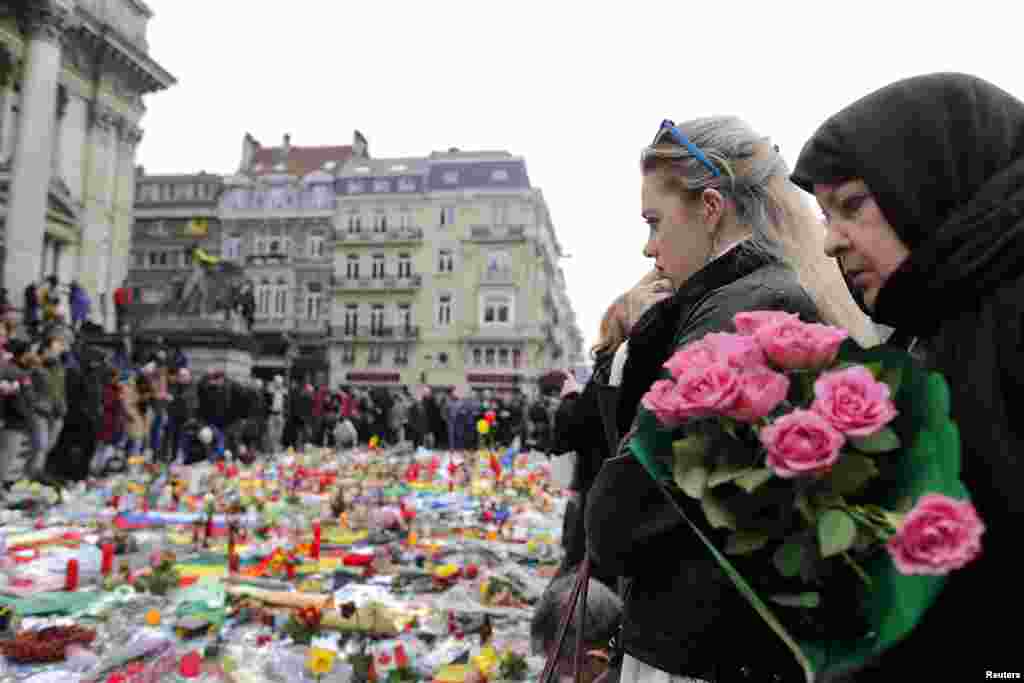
{"points": [[154, 77]]}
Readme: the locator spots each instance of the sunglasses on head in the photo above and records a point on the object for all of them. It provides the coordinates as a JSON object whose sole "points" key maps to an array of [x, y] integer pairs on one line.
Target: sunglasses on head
{"points": [[669, 132]]}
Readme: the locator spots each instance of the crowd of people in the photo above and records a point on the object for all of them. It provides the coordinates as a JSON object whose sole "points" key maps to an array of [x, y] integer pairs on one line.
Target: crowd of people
{"points": [[72, 410]]}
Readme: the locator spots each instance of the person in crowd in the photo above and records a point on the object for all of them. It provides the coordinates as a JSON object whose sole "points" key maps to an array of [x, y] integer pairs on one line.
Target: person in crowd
{"points": [[601, 622], [19, 415], [727, 233], [81, 305], [49, 297], [277, 401], [321, 406], [112, 429], [435, 420], [183, 407], [921, 184], [579, 429], [54, 388], [123, 298], [32, 311]]}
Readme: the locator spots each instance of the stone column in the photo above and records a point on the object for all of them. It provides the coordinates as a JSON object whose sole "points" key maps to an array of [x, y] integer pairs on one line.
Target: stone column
{"points": [[94, 251], [26, 217]]}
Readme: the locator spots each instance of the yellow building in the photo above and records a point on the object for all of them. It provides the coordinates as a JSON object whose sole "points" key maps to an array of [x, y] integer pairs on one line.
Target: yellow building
{"points": [[72, 77], [446, 274]]}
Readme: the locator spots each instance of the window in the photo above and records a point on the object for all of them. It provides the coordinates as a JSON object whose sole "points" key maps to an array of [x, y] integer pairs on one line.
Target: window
{"points": [[231, 248], [263, 298], [499, 175], [448, 215], [140, 259], [281, 299], [404, 265], [402, 355], [376, 356], [445, 261], [489, 357], [261, 245], [351, 323], [444, 310], [381, 186], [516, 357], [406, 185], [352, 267], [378, 267], [499, 264], [497, 309], [405, 220], [503, 357], [348, 355], [377, 320], [500, 214], [154, 259], [478, 357], [354, 187], [316, 246], [450, 178], [355, 224], [405, 317], [380, 223], [314, 300]]}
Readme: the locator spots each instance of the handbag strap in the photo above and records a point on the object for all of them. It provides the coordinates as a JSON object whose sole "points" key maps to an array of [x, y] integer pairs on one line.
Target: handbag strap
{"points": [[580, 588]]}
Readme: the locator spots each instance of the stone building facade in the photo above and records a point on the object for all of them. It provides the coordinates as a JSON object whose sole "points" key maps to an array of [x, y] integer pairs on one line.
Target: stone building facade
{"points": [[277, 218], [446, 273], [172, 213], [72, 77]]}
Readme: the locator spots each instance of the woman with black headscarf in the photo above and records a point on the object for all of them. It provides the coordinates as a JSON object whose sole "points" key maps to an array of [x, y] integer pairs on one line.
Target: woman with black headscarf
{"points": [[922, 186]]}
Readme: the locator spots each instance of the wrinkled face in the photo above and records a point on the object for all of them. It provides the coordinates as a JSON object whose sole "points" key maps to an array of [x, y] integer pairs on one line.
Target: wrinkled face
{"points": [[678, 241], [859, 236]]}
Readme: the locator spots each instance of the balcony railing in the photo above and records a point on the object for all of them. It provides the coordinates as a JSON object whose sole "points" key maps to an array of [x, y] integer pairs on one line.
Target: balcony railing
{"points": [[371, 236], [266, 259], [385, 283], [375, 333], [497, 233]]}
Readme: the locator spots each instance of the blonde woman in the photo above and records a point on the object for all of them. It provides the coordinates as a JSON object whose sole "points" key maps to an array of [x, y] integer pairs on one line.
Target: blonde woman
{"points": [[729, 233]]}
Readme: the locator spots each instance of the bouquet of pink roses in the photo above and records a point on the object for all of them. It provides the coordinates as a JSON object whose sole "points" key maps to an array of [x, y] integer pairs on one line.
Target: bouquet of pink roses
{"points": [[811, 453]]}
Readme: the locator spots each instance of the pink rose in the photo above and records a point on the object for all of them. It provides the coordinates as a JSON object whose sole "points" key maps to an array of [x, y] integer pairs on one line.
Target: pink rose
{"points": [[707, 392], [795, 345], [693, 356], [853, 401], [761, 391], [748, 322], [735, 350], [939, 535], [661, 400], [801, 443]]}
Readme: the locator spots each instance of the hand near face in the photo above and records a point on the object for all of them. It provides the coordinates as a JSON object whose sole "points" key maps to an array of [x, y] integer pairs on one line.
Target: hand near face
{"points": [[651, 289], [570, 385]]}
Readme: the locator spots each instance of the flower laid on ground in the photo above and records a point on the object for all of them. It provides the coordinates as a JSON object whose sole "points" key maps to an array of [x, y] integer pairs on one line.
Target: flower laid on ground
{"points": [[820, 458]]}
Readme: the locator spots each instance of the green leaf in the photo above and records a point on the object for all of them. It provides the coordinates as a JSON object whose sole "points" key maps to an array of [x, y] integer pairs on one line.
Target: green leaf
{"points": [[851, 473], [805, 600], [727, 472], [753, 479], [875, 369], [836, 532], [689, 470], [789, 557], [719, 517], [882, 441], [893, 376], [746, 542]]}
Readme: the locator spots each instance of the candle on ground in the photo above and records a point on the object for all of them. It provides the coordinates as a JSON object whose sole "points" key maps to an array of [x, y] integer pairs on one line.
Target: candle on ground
{"points": [[315, 548], [71, 577], [107, 565]]}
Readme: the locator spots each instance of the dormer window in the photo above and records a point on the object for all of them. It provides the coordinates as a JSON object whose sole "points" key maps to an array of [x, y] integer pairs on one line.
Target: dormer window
{"points": [[450, 177], [499, 175]]}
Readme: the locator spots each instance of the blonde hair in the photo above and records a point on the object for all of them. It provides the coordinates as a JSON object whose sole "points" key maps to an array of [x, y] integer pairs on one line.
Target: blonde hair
{"points": [[755, 179], [612, 333]]}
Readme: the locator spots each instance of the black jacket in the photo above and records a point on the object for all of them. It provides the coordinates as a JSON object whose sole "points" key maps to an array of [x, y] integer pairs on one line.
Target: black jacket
{"points": [[682, 614], [943, 156]]}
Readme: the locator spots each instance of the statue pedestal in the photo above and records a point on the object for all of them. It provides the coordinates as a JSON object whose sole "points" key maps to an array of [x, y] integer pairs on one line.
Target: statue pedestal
{"points": [[210, 342]]}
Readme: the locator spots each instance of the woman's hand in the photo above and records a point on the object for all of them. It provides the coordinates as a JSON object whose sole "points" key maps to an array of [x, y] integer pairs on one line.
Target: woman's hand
{"points": [[651, 289], [570, 385]]}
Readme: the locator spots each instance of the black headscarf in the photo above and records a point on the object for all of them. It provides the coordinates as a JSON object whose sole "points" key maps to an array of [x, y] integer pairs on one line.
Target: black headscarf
{"points": [[943, 155]]}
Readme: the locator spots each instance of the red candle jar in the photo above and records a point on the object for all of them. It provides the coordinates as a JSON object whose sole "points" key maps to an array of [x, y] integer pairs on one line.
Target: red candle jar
{"points": [[115, 502], [107, 565], [314, 550], [71, 577], [234, 563], [291, 571]]}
